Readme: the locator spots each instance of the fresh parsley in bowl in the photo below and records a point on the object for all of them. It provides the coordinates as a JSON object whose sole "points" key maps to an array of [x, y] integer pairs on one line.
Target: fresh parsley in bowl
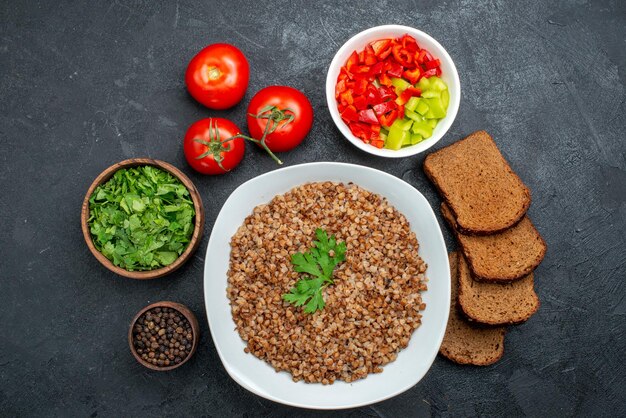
{"points": [[142, 218]]}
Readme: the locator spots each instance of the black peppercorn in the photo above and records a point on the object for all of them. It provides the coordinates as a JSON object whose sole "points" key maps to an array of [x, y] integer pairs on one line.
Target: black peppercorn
{"points": [[162, 337]]}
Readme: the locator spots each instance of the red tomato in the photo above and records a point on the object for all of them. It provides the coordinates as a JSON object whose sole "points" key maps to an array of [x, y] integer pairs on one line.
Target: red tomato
{"points": [[218, 76], [290, 112], [204, 150]]}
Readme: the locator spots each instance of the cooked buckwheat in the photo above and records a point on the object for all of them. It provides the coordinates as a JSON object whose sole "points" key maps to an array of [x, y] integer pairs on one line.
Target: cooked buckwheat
{"points": [[372, 308]]}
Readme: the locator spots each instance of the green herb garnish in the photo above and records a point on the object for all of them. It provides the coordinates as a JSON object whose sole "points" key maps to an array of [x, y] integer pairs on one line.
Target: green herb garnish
{"points": [[319, 263], [142, 218]]}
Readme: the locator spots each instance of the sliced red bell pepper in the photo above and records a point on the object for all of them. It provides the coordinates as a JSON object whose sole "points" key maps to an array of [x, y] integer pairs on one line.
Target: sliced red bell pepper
{"points": [[429, 73], [367, 54], [360, 85], [352, 61], [379, 46], [368, 116], [438, 69], [382, 108], [423, 56], [356, 128], [372, 95], [412, 76], [346, 98], [401, 111], [386, 93], [384, 80], [415, 91], [379, 143], [361, 69], [349, 114], [417, 57], [375, 136], [340, 88], [409, 43], [407, 94], [360, 102], [385, 52], [360, 130], [432, 64], [376, 69], [420, 56], [370, 59], [402, 56], [393, 68], [389, 118]]}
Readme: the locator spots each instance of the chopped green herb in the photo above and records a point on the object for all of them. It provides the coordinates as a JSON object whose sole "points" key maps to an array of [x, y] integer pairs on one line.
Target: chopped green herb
{"points": [[142, 218], [318, 263]]}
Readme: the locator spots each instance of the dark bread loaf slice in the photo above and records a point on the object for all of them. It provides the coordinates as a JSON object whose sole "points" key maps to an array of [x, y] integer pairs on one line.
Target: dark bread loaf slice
{"points": [[496, 303], [506, 256], [466, 343], [483, 192]]}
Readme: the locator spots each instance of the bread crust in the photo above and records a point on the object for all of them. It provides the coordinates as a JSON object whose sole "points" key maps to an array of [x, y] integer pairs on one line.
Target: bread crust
{"points": [[473, 312], [482, 274], [487, 343], [435, 178]]}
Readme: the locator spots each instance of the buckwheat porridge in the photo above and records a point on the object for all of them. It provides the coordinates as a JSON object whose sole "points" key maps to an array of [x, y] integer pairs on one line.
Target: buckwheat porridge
{"points": [[373, 306]]}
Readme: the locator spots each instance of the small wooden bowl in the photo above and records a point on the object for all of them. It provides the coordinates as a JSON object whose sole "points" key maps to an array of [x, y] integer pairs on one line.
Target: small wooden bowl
{"points": [[186, 312], [198, 224]]}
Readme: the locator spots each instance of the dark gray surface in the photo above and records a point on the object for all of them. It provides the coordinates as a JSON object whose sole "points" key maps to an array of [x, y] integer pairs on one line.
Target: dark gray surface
{"points": [[85, 85]]}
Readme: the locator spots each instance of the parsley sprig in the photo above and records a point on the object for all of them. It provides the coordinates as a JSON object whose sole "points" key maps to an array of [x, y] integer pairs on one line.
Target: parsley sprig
{"points": [[318, 263]]}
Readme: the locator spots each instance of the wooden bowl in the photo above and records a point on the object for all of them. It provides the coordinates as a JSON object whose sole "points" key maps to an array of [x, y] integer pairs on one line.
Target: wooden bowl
{"points": [[186, 312], [198, 224]]}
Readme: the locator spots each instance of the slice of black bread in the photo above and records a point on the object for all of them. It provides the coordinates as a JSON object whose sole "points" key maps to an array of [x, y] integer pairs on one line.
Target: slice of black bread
{"points": [[496, 303], [484, 194], [466, 343], [505, 256]]}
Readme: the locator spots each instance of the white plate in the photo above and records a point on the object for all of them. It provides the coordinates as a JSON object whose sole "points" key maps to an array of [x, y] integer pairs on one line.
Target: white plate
{"points": [[260, 378]]}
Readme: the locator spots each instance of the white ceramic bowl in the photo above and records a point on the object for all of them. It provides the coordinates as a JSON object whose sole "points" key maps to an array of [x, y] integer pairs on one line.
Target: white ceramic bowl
{"points": [[449, 74], [259, 377]]}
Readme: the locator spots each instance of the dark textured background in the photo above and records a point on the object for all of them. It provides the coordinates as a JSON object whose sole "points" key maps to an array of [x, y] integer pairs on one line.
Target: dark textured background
{"points": [[86, 84]]}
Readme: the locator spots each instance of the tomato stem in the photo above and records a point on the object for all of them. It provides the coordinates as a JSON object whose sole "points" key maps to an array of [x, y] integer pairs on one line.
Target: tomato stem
{"points": [[274, 116], [262, 143], [213, 73], [215, 146]]}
